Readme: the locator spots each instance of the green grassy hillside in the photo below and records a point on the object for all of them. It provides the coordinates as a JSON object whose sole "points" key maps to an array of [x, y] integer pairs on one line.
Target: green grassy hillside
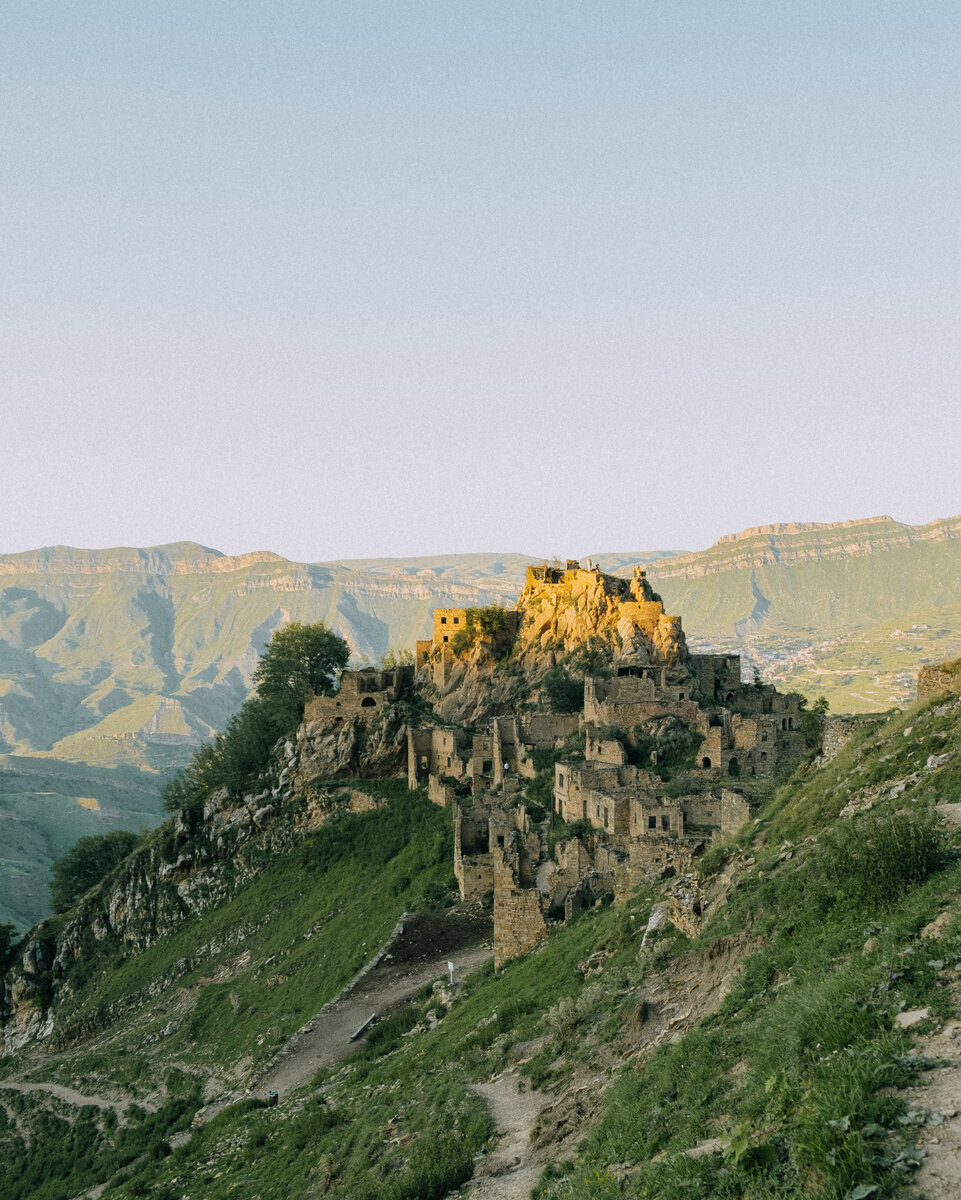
{"points": [[769, 1037]]}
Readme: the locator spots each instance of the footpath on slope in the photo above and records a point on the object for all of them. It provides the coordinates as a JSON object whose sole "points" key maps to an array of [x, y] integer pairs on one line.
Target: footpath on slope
{"points": [[417, 953], [71, 1096], [508, 1172]]}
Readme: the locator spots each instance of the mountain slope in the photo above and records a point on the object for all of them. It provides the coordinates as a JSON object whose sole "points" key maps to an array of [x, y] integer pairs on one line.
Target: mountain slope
{"points": [[774, 1037], [849, 610]]}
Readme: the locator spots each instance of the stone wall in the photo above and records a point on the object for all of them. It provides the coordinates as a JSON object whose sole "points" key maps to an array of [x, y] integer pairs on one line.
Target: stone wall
{"points": [[838, 731], [518, 914], [735, 812], [362, 694]]}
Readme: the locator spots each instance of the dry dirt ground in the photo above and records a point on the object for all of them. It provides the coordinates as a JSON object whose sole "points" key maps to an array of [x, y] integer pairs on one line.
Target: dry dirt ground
{"points": [[508, 1172], [937, 1101], [74, 1097], [416, 957]]}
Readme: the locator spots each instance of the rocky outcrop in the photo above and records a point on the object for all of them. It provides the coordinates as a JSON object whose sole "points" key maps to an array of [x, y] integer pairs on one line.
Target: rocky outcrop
{"points": [[193, 864], [940, 680], [349, 749], [565, 612]]}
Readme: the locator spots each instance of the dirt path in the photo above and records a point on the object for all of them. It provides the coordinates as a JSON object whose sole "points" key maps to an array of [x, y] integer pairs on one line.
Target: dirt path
{"points": [[509, 1172], [326, 1039], [74, 1097], [937, 1102]]}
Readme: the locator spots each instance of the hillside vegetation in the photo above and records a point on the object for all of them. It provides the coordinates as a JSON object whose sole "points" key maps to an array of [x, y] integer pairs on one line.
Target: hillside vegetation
{"points": [[777, 1038]]}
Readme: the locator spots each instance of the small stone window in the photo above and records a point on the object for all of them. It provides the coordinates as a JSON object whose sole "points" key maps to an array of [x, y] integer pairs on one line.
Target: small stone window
{"points": [[665, 821], [443, 620], [457, 620], [652, 822], [445, 637], [763, 737], [706, 762], [680, 695], [560, 779]]}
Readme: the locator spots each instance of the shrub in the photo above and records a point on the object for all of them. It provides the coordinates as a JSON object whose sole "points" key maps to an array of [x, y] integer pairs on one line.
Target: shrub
{"points": [[565, 694], [668, 754], [86, 863], [875, 860]]}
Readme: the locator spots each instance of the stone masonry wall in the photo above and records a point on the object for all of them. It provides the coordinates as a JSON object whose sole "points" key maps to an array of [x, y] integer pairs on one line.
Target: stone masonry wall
{"points": [[518, 917]]}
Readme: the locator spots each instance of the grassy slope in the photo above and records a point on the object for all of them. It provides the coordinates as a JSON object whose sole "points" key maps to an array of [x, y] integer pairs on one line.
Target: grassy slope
{"points": [[797, 1071], [233, 984]]}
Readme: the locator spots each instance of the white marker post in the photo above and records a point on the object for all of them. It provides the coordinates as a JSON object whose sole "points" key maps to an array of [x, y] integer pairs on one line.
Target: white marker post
{"points": [[450, 967]]}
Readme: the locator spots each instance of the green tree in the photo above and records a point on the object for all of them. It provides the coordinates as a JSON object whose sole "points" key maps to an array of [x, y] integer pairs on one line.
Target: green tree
{"points": [[299, 660], [812, 722], [8, 941], [390, 660], [86, 863], [564, 693]]}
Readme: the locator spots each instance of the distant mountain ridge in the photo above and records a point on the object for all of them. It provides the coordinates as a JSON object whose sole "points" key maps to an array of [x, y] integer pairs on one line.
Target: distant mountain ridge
{"points": [[130, 657], [134, 655]]}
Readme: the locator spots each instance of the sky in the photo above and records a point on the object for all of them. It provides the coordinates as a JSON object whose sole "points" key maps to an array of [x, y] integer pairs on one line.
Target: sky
{"points": [[397, 279]]}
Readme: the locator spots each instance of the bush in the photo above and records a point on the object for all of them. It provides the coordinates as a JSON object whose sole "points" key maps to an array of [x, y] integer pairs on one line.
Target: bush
{"points": [[565, 694], [86, 863], [667, 754], [875, 860], [8, 944]]}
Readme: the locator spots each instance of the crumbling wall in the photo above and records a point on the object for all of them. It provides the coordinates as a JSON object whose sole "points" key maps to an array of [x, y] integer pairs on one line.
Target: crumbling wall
{"points": [[735, 812], [519, 922], [473, 861]]}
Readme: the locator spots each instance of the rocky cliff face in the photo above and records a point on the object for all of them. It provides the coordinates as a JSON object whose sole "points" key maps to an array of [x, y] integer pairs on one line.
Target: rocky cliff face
{"points": [[793, 543], [188, 867], [588, 608], [354, 749], [580, 618]]}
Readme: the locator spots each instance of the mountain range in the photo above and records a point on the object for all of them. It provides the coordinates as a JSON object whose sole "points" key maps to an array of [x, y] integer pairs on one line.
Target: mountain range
{"points": [[132, 657]]}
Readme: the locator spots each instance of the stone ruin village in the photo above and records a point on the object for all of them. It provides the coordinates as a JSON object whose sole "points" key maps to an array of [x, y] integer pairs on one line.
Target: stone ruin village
{"points": [[663, 753]]}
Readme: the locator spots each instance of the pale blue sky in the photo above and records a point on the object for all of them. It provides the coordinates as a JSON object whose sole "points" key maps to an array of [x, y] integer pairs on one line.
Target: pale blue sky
{"points": [[360, 279]]}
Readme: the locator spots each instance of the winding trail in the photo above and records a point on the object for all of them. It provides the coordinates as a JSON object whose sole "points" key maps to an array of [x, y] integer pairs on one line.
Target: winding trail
{"points": [[509, 1172], [325, 1039], [71, 1096]]}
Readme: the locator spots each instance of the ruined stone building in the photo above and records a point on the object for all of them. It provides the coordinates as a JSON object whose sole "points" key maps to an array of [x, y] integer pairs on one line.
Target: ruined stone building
{"points": [[363, 693], [630, 826]]}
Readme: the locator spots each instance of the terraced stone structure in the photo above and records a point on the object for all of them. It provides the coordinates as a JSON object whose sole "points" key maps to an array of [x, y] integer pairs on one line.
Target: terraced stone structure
{"points": [[645, 690]]}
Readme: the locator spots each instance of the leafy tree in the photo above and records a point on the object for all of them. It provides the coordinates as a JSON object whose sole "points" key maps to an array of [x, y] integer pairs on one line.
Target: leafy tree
{"points": [[564, 693], [298, 660], [8, 941], [812, 722], [86, 863], [390, 660]]}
